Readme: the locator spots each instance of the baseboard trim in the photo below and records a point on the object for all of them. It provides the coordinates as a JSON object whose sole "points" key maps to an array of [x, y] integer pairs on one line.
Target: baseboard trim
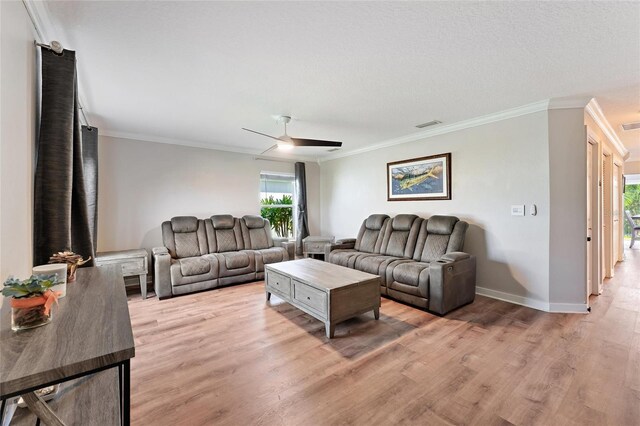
{"points": [[568, 308], [513, 298]]}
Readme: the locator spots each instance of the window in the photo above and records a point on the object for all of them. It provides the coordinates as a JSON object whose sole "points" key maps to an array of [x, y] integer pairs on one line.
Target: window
{"points": [[276, 202]]}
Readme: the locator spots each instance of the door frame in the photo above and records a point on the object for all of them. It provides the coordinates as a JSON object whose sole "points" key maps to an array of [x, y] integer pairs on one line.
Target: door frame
{"points": [[607, 220], [596, 219]]}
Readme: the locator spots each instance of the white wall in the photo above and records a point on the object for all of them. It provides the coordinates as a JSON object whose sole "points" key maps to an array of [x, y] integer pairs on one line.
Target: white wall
{"points": [[568, 194], [632, 167], [17, 137], [142, 184], [493, 166]]}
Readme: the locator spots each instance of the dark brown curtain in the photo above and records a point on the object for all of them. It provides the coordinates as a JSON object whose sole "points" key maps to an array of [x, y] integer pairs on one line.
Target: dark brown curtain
{"points": [[66, 177], [302, 229]]}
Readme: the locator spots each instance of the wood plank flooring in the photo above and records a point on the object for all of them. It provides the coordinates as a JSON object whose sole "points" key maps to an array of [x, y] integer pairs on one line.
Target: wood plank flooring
{"points": [[227, 357]]}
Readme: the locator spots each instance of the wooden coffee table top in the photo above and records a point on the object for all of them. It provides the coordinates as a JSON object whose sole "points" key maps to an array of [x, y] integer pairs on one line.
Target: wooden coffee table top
{"points": [[321, 274]]}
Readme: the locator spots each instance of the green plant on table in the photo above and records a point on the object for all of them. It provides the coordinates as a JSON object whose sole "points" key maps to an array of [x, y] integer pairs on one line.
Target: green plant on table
{"points": [[36, 285], [31, 300]]}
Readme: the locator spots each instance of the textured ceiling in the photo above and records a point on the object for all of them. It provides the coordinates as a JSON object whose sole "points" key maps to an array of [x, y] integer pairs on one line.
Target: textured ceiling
{"points": [[358, 72]]}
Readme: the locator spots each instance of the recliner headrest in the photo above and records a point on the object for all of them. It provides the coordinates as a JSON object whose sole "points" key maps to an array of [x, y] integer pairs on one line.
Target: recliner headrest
{"points": [[375, 221], [442, 225], [184, 224], [222, 221], [403, 222], [253, 221]]}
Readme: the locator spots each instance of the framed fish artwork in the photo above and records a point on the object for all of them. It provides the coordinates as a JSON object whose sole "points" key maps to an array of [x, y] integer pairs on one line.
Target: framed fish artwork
{"points": [[424, 178]]}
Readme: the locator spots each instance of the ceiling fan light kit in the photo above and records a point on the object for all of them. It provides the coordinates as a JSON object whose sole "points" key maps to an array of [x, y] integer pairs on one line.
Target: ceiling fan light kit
{"points": [[285, 142]]}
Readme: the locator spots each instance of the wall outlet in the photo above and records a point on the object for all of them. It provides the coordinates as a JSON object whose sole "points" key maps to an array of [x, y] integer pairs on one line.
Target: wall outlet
{"points": [[517, 210]]}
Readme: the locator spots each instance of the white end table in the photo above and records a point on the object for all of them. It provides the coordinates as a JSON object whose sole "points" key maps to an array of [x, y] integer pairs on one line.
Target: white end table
{"points": [[317, 246], [133, 262]]}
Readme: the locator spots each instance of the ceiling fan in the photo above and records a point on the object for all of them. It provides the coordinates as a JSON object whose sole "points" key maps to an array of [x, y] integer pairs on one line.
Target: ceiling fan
{"points": [[287, 142]]}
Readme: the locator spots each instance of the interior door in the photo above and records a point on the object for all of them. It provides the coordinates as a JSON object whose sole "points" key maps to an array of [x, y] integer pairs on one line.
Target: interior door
{"points": [[615, 214]]}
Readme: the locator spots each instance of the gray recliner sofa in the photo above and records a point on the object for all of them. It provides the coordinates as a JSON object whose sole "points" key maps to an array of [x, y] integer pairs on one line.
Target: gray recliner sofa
{"points": [[420, 260], [222, 250]]}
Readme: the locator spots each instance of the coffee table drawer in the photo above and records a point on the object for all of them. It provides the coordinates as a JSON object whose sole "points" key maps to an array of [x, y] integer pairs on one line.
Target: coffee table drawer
{"points": [[280, 284], [311, 297]]}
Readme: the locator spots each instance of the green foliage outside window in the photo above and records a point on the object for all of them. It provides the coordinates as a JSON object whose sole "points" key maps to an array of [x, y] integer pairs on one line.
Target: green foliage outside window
{"points": [[280, 215], [631, 203]]}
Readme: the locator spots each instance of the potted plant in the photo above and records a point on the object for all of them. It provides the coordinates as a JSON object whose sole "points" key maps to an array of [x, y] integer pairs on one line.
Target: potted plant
{"points": [[31, 300], [71, 259]]}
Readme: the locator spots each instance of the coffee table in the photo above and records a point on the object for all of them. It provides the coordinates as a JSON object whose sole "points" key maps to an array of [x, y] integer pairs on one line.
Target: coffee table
{"points": [[328, 292]]}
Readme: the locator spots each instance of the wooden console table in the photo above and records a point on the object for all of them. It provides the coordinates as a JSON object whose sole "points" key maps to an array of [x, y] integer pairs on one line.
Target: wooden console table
{"points": [[89, 339]]}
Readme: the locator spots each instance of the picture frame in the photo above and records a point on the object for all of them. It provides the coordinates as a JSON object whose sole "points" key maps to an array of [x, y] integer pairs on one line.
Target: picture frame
{"points": [[420, 179]]}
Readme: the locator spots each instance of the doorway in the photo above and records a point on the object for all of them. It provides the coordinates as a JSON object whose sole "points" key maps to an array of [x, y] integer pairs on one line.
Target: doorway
{"points": [[607, 216], [594, 281]]}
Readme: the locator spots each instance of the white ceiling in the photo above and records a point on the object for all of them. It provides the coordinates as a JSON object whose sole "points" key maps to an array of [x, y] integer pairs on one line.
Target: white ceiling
{"points": [[359, 72]]}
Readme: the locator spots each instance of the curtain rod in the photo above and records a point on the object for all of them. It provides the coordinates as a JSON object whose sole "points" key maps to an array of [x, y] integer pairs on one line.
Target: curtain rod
{"points": [[55, 46]]}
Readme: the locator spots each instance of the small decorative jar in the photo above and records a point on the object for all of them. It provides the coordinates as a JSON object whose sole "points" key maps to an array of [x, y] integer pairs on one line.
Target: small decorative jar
{"points": [[29, 313], [31, 300]]}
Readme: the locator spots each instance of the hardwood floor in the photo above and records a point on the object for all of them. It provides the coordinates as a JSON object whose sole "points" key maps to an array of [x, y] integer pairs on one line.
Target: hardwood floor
{"points": [[226, 357]]}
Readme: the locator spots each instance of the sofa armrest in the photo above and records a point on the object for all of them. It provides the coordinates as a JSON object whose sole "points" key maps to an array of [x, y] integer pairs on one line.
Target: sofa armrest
{"points": [[290, 246], [162, 272], [159, 250], [345, 243], [454, 256], [452, 282]]}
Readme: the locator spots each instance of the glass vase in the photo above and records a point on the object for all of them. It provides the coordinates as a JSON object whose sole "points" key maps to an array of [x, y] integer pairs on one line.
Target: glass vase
{"points": [[26, 318]]}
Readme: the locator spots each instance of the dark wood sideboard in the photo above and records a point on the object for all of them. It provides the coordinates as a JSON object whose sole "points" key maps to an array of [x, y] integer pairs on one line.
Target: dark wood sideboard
{"points": [[87, 348]]}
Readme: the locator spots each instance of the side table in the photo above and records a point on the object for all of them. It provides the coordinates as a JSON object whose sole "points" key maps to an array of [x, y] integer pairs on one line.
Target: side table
{"points": [[133, 262], [317, 246]]}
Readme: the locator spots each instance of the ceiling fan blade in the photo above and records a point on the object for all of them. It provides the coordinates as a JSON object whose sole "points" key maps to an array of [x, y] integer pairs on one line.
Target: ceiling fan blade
{"points": [[263, 134], [314, 142], [269, 149]]}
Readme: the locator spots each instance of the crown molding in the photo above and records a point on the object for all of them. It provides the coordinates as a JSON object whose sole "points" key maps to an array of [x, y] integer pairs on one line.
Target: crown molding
{"points": [[594, 110], [569, 103], [202, 145], [448, 128], [40, 19]]}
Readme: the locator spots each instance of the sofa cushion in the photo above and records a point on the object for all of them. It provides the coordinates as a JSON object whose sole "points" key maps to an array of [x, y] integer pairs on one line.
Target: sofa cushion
{"points": [[270, 255], [434, 247], [374, 264], [194, 266], [375, 221], [401, 235], [341, 256], [184, 236], [371, 232], [223, 221], [186, 244], [403, 222], [442, 225], [409, 273], [236, 260], [411, 278], [184, 224], [253, 222]]}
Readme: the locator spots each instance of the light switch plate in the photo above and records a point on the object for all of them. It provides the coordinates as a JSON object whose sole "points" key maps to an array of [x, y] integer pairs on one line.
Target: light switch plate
{"points": [[517, 210]]}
